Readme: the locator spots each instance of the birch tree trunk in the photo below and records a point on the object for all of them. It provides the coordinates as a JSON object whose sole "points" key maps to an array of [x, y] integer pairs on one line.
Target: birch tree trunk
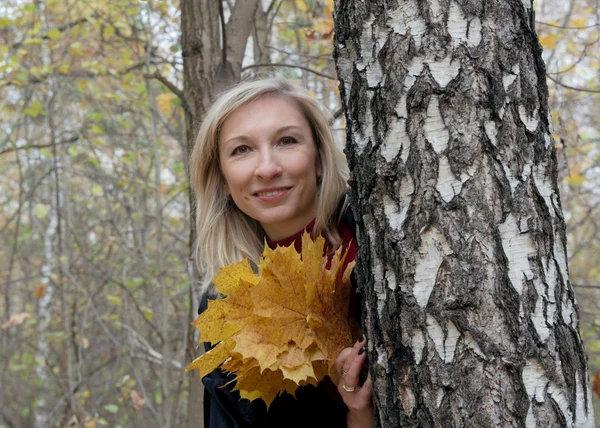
{"points": [[469, 312]]}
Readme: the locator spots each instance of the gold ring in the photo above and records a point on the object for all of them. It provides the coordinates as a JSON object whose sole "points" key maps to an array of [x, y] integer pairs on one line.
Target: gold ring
{"points": [[348, 388]]}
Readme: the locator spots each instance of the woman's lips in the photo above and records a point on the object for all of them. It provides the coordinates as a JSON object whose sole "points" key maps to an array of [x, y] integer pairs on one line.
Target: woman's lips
{"points": [[272, 195]]}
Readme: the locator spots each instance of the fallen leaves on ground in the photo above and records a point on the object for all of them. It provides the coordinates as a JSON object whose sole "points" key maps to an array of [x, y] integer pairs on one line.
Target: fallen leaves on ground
{"points": [[280, 329]]}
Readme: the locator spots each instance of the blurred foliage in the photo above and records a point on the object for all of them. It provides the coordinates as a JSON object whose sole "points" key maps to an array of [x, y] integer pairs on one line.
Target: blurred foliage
{"points": [[569, 32]]}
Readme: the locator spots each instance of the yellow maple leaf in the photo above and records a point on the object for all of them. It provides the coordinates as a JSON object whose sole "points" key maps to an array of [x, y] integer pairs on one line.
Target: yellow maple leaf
{"points": [[280, 329]]}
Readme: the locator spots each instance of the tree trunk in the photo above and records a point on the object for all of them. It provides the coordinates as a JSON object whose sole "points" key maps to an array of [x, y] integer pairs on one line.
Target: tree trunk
{"points": [[470, 315], [208, 68]]}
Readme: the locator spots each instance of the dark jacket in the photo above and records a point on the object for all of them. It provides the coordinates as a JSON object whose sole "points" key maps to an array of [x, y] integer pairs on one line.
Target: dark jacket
{"points": [[313, 407]]}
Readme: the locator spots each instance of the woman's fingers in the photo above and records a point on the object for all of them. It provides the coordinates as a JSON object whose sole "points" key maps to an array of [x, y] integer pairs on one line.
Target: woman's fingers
{"points": [[339, 362], [353, 361]]}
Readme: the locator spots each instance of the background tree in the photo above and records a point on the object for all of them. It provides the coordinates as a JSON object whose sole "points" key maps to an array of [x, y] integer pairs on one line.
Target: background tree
{"points": [[469, 310]]}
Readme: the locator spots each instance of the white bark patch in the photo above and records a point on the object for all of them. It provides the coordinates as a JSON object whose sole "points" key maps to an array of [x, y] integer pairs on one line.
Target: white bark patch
{"points": [[382, 359], [439, 397], [436, 334], [447, 185], [583, 417], [561, 400], [374, 74], [530, 122], [474, 33], [517, 247], [435, 130], [444, 71], [417, 345], [472, 344], [392, 212], [535, 380], [461, 29], [544, 186], [390, 278], [537, 318], [365, 134], [530, 422], [397, 141], [397, 214], [401, 106], [436, 10], [457, 23], [561, 258], [414, 70], [567, 310], [428, 260], [445, 344], [452, 336], [512, 180], [491, 131], [509, 78], [547, 139], [406, 20]]}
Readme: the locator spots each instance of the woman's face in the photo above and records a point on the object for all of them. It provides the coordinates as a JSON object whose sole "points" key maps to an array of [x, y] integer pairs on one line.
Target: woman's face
{"points": [[270, 163]]}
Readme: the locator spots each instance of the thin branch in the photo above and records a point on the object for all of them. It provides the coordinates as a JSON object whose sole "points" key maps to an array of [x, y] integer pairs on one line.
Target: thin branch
{"points": [[38, 146], [289, 66], [592, 91], [325, 57], [597, 287], [562, 27], [156, 75]]}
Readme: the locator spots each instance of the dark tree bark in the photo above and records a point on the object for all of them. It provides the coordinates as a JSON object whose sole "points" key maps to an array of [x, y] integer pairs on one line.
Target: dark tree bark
{"points": [[211, 62], [470, 315]]}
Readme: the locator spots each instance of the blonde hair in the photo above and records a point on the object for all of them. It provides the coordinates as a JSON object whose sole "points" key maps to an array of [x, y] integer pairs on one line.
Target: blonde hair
{"points": [[226, 235]]}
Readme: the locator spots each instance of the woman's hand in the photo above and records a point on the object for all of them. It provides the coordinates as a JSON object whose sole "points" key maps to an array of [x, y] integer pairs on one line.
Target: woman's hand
{"points": [[357, 397]]}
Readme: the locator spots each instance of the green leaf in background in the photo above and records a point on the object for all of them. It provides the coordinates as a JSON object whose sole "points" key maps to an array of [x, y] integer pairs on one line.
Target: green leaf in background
{"points": [[97, 190], [115, 300], [41, 210], [54, 34], [112, 408]]}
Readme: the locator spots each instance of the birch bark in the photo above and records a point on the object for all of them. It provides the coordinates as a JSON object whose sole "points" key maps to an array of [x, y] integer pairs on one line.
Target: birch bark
{"points": [[470, 314]]}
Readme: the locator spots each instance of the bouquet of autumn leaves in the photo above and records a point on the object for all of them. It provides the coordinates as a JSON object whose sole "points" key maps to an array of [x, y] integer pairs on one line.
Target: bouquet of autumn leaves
{"points": [[280, 329]]}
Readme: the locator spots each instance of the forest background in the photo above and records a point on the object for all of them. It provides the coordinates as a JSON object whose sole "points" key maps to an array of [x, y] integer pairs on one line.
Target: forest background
{"points": [[95, 295]]}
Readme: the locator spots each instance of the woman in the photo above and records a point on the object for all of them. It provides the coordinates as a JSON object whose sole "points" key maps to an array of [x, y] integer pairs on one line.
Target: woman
{"points": [[265, 166]]}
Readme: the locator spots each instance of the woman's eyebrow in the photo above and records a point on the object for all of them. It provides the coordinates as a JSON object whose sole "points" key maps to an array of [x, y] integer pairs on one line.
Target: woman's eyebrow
{"points": [[278, 131]]}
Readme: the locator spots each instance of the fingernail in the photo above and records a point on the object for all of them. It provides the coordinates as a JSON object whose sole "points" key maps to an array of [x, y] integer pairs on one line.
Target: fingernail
{"points": [[362, 350], [362, 338]]}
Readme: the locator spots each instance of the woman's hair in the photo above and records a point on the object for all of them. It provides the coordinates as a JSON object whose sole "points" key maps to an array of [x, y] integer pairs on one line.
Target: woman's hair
{"points": [[226, 235]]}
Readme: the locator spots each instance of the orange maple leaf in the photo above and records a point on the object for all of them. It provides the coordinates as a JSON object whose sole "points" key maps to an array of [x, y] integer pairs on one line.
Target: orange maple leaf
{"points": [[280, 329]]}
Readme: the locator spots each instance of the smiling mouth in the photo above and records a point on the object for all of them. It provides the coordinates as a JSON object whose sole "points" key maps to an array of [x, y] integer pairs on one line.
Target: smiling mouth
{"points": [[271, 193]]}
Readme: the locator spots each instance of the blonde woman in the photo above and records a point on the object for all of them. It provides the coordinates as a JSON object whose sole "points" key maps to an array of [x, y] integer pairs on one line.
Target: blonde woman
{"points": [[265, 166]]}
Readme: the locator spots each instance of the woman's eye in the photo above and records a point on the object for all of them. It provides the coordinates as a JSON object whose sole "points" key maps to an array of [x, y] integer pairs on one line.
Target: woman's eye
{"points": [[240, 150], [288, 140]]}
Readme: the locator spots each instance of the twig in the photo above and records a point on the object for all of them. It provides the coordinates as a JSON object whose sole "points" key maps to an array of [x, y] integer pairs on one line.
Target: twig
{"points": [[592, 91], [562, 27], [156, 75], [278, 64]]}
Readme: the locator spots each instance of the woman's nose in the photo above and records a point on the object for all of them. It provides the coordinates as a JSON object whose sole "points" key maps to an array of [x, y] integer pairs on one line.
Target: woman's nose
{"points": [[269, 165]]}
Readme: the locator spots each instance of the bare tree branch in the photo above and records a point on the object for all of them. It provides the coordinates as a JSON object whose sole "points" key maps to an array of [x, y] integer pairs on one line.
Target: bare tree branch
{"points": [[592, 91], [156, 75], [278, 64]]}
